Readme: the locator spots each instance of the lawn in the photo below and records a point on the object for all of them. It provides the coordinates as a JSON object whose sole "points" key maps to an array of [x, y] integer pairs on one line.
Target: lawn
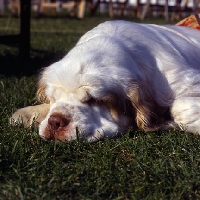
{"points": [[138, 165]]}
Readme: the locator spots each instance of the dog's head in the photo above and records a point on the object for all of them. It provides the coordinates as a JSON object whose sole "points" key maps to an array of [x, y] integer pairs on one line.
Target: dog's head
{"points": [[100, 89], [87, 97]]}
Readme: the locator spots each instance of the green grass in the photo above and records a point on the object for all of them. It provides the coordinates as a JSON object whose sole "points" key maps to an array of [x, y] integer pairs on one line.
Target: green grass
{"points": [[135, 166]]}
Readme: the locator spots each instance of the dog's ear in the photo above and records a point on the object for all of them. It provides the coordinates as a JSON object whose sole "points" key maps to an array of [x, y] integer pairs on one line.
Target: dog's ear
{"points": [[41, 94], [148, 113]]}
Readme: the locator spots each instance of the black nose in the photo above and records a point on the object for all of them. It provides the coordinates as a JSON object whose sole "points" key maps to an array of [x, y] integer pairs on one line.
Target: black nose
{"points": [[56, 121]]}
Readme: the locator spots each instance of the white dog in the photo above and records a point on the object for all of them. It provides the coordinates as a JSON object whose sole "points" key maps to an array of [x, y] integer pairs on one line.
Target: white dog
{"points": [[121, 75]]}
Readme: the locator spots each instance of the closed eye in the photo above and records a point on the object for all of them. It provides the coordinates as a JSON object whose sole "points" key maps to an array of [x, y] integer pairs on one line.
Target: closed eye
{"points": [[92, 101]]}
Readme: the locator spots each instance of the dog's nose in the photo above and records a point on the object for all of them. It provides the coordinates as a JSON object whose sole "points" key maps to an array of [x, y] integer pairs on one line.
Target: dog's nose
{"points": [[57, 121]]}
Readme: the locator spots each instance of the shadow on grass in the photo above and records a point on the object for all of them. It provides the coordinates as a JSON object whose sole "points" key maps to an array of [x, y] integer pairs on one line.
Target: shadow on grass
{"points": [[14, 65], [47, 47]]}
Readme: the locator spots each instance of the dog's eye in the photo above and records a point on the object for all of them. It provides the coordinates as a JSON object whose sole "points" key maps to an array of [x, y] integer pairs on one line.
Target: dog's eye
{"points": [[92, 101]]}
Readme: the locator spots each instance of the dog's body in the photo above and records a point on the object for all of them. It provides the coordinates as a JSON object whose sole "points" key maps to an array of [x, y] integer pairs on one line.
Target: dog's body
{"points": [[121, 75]]}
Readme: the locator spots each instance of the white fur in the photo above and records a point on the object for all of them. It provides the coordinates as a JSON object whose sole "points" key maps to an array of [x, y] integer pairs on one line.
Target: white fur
{"points": [[149, 71]]}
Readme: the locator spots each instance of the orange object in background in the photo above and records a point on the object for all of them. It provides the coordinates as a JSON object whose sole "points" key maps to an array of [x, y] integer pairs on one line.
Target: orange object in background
{"points": [[192, 21]]}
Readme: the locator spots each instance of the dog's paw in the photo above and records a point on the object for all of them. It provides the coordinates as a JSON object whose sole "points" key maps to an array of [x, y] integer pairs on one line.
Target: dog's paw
{"points": [[30, 116], [25, 118]]}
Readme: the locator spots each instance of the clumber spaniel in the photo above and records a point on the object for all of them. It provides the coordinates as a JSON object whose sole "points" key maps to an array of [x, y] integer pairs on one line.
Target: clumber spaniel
{"points": [[120, 75]]}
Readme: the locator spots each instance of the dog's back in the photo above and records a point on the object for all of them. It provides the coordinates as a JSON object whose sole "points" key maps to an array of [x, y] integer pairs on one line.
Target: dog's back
{"points": [[173, 52]]}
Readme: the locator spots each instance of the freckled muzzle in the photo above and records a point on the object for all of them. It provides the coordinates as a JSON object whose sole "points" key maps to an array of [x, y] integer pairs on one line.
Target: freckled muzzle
{"points": [[56, 123], [92, 121], [56, 127]]}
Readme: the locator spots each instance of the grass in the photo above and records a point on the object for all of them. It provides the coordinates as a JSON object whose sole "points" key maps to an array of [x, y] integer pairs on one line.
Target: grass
{"points": [[137, 165]]}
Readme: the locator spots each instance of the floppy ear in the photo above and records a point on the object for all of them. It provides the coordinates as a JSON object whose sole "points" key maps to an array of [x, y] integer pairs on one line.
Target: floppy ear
{"points": [[41, 94], [149, 114]]}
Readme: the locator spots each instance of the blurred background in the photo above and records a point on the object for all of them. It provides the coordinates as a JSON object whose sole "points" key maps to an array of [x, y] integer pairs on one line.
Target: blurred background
{"points": [[36, 33]]}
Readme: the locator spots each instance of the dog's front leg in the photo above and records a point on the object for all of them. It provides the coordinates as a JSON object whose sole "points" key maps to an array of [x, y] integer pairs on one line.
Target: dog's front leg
{"points": [[31, 115], [186, 113]]}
